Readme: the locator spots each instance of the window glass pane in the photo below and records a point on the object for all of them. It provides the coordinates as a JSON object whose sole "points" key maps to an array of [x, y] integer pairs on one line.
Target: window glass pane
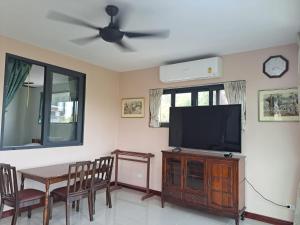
{"points": [[214, 97], [183, 99], [223, 99], [64, 108], [203, 98], [165, 108], [24, 84]]}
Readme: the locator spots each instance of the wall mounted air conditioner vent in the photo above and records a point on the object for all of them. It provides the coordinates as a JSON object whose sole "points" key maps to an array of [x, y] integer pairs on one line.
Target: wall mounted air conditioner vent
{"points": [[192, 70]]}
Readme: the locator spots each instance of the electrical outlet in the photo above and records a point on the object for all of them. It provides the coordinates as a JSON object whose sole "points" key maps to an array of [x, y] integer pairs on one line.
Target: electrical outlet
{"points": [[291, 207]]}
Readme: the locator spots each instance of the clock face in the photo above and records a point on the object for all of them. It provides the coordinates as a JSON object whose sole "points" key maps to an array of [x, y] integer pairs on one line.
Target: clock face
{"points": [[275, 66]]}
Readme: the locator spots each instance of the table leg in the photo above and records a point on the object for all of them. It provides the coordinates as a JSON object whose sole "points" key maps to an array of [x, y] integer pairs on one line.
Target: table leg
{"points": [[116, 186], [46, 206], [22, 187]]}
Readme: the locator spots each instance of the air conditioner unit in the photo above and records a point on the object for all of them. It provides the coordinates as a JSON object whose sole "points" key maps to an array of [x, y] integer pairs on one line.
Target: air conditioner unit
{"points": [[192, 70]]}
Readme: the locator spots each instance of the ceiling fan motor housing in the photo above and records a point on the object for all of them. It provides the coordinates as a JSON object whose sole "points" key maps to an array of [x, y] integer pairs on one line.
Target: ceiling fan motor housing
{"points": [[111, 34]]}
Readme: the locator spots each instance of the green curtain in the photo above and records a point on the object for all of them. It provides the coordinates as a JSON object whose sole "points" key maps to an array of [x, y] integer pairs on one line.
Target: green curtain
{"points": [[17, 72]]}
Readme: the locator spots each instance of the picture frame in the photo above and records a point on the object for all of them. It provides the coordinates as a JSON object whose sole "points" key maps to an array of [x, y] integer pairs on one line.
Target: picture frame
{"points": [[133, 107], [278, 105]]}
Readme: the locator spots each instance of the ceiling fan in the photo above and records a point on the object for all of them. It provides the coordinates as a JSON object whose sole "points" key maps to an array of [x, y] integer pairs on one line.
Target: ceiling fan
{"points": [[111, 33]]}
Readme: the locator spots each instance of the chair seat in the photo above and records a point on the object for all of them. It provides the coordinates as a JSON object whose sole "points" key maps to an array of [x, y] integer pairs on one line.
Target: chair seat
{"points": [[98, 183], [30, 194], [62, 191]]}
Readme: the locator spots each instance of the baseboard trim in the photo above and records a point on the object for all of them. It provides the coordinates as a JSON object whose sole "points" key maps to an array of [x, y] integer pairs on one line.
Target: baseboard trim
{"points": [[248, 215], [266, 219]]}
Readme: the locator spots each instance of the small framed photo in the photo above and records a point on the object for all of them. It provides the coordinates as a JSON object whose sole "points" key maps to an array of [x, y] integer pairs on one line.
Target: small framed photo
{"points": [[278, 105], [133, 107]]}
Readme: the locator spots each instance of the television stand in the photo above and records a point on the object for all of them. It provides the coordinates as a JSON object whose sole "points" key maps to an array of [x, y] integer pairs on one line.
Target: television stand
{"points": [[205, 181]]}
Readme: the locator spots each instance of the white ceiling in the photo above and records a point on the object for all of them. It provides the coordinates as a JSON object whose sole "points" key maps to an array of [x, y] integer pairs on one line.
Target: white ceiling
{"points": [[197, 28]]}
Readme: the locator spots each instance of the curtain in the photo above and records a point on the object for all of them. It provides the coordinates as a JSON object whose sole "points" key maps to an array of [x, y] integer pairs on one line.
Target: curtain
{"points": [[236, 94], [154, 102], [17, 72]]}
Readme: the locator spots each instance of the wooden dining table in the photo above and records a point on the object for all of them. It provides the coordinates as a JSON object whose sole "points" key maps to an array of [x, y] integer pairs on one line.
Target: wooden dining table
{"points": [[46, 175]]}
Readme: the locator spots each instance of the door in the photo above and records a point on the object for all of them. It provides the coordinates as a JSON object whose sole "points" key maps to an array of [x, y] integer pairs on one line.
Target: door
{"points": [[194, 176], [221, 185], [194, 181], [172, 178]]}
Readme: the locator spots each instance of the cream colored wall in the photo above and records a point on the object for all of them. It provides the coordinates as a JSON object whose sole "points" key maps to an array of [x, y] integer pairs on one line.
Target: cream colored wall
{"points": [[101, 109], [272, 149]]}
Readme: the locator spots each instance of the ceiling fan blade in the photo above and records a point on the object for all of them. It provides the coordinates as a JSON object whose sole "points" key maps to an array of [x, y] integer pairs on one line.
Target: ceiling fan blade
{"points": [[151, 34], [57, 16], [85, 40], [124, 47]]}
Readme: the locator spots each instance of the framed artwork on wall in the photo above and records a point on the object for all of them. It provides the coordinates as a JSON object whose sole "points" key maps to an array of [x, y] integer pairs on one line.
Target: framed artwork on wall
{"points": [[278, 105], [133, 107]]}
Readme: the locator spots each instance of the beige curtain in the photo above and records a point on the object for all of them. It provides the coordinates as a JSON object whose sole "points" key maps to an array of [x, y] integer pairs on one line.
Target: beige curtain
{"points": [[154, 105], [236, 94]]}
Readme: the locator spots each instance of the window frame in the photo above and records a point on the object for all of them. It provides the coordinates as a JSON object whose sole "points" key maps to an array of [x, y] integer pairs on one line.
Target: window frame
{"points": [[47, 90], [194, 95]]}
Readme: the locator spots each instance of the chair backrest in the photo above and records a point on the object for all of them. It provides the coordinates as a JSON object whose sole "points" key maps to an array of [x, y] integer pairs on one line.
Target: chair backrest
{"points": [[8, 182], [103, 168], [79, 179]]}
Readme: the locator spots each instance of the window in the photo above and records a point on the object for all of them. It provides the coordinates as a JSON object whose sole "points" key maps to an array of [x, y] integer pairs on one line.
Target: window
{"points": [[203, 98], [43, 105], [193, 96], [183, 99]]}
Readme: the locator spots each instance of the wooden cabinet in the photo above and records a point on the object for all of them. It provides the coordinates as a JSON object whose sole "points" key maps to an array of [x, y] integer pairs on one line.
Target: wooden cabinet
{"points": [[206, 181]]}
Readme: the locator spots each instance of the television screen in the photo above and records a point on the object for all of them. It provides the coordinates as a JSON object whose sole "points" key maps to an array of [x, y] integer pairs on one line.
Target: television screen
{"points": [[215, 128]]}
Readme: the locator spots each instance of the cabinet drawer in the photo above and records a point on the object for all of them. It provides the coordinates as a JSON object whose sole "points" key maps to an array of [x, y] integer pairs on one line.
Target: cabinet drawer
{"points": [[195, 199]]}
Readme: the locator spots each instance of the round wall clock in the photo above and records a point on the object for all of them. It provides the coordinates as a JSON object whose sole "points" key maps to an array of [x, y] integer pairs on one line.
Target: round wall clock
{"points": [[275, 66]]}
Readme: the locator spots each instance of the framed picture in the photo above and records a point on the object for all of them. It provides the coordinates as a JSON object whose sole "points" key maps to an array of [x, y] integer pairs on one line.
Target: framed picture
{"points": [[133, 107], [278, 105]]}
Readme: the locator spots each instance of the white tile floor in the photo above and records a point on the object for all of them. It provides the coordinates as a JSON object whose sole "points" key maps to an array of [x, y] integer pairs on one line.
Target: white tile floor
{"points": [[128, 209]]}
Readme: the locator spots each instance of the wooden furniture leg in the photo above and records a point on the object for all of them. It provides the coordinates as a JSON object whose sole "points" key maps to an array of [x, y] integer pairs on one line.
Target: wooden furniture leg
{"points": [[1, 208], [148, 194], [22, 188], [46, 206], [237, 220], [116, 186]]}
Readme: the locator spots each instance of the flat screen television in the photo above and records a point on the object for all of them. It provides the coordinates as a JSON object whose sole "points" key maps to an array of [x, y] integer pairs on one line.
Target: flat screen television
{"points": [[216, 128]]}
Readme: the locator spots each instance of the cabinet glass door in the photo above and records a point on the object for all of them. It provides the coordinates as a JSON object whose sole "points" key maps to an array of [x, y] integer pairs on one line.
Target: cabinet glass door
{"points": [[194, 179], [173, 175]]}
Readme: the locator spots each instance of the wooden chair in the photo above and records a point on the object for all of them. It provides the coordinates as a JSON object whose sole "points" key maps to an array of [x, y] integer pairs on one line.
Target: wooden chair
{"points": [[12, 197], [102, 176], [78, 187]]}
